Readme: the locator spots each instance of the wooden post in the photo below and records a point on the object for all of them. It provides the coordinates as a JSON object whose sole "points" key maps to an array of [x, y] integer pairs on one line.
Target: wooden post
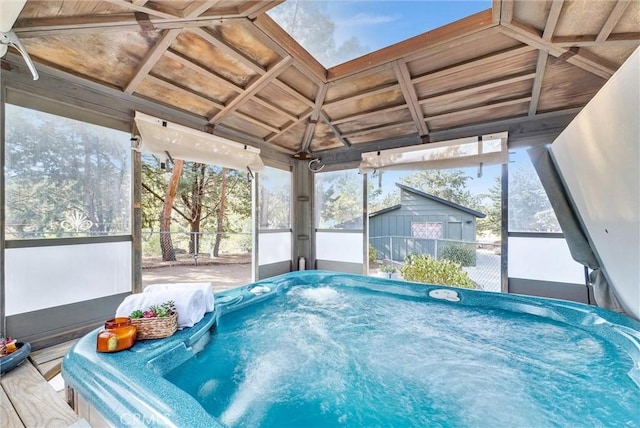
{"points": [[136, 223], [3, 97]]}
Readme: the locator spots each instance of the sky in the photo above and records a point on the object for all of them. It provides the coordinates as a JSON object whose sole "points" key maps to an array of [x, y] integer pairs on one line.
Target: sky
{"points": [[382, 23], [375, 24]]}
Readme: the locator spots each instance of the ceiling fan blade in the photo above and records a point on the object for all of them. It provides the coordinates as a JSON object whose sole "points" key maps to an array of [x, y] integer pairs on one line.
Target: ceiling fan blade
{"points": [[9, 11]]}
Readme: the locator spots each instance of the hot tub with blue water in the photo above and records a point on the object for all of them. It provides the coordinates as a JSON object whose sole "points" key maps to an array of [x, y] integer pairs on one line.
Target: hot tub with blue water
{"points": [[324, 349]]}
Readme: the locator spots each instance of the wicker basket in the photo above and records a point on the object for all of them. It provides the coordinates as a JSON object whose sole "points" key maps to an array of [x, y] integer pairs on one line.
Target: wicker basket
{"points": [[157, 327]]}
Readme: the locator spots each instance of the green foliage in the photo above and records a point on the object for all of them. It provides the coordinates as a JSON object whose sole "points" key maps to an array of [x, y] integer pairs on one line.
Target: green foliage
{"points": [[339, 196], [388, 269], [310, 23], [529, 207], [425, 269], [274, 211], [449, 184], [56, 167], [373, 253], [463, 254], [493, 221]]}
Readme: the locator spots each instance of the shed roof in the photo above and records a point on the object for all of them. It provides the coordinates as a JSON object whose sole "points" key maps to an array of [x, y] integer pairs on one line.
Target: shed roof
{"points": [[442, 201], [386, 210], [523, 66]]}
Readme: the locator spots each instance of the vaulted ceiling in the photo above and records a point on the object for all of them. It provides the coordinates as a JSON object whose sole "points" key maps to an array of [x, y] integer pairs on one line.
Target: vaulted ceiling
{"points": [[229, 64]]}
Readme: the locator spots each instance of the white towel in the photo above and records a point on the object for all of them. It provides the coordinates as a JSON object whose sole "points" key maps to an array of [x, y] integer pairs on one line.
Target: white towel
{"points": [[206, 287], [189, 304]]}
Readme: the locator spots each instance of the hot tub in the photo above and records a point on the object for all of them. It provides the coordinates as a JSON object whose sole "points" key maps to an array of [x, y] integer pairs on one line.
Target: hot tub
{"points": [[318, 348]]}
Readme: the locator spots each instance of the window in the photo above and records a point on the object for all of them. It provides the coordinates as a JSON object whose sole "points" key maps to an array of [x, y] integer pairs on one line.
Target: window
{"points": [[339, 200], [529, 207], [427, 230], [65, 178], [275, 199]]}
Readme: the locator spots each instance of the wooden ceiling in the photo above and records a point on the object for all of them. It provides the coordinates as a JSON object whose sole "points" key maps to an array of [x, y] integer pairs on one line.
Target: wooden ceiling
{"points": [[232, 66]]}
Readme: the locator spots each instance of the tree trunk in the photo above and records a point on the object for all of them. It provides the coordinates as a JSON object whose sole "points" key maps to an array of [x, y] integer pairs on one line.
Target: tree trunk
{"points": [[195, 205], [223, 200], [168, 253]]}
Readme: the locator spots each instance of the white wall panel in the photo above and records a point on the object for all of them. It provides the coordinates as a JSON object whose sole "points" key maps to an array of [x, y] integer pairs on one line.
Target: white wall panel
{"points": [[45, 277], [343, 247], [543, 259], [274, 247]]}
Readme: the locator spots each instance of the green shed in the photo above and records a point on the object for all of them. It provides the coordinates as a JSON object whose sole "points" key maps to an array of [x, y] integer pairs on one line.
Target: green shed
{"points": [[421, 223]]}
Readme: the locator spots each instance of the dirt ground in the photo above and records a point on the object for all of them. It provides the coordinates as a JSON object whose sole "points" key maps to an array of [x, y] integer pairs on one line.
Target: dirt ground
{"points": [[227, 271]]}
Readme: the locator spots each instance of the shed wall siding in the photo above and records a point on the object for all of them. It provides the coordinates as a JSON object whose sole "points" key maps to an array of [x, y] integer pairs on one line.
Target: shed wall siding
{"points": [[415, 208]]}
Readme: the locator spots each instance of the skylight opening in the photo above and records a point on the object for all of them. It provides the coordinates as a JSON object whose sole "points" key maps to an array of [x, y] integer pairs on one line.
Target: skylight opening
{"points": [[337, 31]]}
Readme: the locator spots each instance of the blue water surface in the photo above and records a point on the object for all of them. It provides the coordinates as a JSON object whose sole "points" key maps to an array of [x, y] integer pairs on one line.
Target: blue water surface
{"points": [[326, 355]]}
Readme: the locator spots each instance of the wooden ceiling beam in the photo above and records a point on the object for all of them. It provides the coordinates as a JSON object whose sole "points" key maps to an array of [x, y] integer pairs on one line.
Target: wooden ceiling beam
{"points": [[369, 131], [363, 94], [541, 66], [590, 40], [471, 110], [139, 2], [255, 121], [190, 64], [335, 130], [196, 9], [552, 19], [273, 107], [150, 60], [253, 9], [159, 11], [541, 63], [275, 35], [496, 6], [477, 62], [290, 126], [228, 50], [401, 71], [171, 86], [313, 119], [506, 11], [45, 27], [532, 37], [613, 19], [471, 89], [368, 114], [293, 92], [252, 89]]}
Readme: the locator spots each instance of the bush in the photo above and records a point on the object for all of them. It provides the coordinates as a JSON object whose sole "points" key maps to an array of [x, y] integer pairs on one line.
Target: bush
{"points": [[428, 270], [373, 254], [463, 254]]}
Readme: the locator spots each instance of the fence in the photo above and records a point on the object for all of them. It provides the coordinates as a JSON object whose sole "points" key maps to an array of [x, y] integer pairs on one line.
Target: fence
{"points": [[195, 243], [480, 260]]}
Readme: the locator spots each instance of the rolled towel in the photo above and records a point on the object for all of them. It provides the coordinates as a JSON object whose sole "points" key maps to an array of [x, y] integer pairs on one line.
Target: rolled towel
{"points": [[189, 304], [206, 287]]}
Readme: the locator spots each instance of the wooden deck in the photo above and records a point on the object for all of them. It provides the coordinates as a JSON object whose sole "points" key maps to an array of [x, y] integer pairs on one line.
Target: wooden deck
{"points": [[27, 399]]}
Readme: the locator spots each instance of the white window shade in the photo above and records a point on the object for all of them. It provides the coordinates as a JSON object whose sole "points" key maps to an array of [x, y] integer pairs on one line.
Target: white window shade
{"points": [[160, 137], [460, 153]]}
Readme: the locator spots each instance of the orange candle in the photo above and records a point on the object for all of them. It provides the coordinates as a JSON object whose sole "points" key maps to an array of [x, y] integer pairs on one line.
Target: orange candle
{"points": [[118, 334]]}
